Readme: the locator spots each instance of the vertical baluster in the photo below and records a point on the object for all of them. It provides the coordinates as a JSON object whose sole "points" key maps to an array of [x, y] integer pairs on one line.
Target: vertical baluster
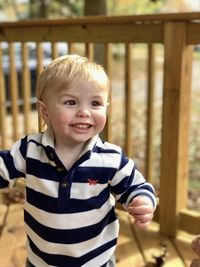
{"points": [[89, 51], [39, 52], [107, 65], [13, 82], [70, 48], [3, 128], [128, 99], [26, 88], [150, 112], [54, 49]]}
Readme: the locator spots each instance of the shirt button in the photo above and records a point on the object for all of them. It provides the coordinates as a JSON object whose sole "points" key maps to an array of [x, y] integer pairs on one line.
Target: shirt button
{"points": [[64, 184], [60, 169], [51, 155]]}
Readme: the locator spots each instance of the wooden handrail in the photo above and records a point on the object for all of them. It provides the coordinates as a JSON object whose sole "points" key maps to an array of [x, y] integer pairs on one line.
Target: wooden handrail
{"points": [[151, 18]]}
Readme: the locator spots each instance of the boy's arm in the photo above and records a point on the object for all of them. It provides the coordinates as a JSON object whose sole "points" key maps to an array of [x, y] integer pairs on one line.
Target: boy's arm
{"points": [[128, 183], [195, 244], [12, 164]]}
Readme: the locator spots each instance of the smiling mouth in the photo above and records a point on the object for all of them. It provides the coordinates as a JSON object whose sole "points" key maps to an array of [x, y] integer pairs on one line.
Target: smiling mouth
{"points": [[83, 126]]}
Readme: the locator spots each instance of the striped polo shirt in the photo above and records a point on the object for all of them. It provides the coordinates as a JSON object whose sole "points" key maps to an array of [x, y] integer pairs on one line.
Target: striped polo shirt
{"points": [[69, 214]]}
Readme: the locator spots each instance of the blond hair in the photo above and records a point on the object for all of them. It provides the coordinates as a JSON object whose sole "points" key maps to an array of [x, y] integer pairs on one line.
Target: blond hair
{"points": [[69, 70]]}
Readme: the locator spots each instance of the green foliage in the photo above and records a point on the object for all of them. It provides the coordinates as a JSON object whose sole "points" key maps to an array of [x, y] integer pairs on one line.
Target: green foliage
{"points": [[71, 8], [133, 7], [57, 8]]}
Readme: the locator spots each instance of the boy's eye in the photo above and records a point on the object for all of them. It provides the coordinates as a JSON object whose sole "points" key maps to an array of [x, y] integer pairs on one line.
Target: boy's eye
{"points": [[70, 102], [96, 103]]}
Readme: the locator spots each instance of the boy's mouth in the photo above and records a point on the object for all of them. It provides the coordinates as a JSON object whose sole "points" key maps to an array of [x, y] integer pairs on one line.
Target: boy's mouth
{"points": [[82, 125]]}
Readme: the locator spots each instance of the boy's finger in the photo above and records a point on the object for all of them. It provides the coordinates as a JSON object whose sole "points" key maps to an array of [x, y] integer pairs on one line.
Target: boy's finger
{"points": [[195, 263]]}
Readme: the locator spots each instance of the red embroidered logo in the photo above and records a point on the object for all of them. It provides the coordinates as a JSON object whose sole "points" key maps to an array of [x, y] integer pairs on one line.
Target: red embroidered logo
{"points": [[92, 182]]}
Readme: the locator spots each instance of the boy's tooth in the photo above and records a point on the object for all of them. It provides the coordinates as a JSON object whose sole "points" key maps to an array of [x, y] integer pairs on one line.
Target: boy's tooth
{"points": [[81, 126]]}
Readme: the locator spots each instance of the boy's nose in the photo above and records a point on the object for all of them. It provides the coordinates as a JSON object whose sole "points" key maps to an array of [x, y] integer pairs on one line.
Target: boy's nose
{"points": [[83, 112]]}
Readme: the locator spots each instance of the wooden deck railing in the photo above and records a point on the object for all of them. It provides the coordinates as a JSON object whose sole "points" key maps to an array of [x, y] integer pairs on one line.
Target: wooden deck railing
{"points": [[177, 33]]}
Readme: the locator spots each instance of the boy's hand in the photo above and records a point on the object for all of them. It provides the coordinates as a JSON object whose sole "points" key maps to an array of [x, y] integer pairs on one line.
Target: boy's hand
{"points": [[196, 247], [196, 244], [195, 263], [141, 208]]}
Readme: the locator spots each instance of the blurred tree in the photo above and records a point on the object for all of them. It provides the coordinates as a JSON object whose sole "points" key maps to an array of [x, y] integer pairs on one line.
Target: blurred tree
{"points": [[71, 8], [98, 7], [57, 8], [14, 6], [133, 7]]}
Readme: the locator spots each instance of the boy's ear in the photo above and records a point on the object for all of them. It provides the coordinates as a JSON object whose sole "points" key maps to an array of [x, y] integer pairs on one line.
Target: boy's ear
{"points": [[107, 108], [42, 110]]}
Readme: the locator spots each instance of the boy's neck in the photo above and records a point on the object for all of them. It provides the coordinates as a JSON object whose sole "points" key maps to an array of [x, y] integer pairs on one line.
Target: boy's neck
{"points": [[69, 155]]}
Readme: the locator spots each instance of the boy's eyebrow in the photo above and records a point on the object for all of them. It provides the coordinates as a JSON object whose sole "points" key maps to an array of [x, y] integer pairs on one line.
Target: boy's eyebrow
{"points": [[65, 94], [71, 95]]}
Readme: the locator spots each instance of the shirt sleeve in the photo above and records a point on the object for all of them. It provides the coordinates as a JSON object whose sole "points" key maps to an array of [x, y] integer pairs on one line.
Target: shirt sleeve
{"points": [[128, 183], [12, 163]]}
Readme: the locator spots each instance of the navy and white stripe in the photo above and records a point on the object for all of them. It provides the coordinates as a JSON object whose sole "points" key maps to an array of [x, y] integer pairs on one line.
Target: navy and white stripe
{"points": [[69, 214]]}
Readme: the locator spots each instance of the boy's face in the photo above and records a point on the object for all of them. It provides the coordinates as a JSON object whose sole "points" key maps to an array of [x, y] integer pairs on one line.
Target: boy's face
{"points": [[75, 114]]}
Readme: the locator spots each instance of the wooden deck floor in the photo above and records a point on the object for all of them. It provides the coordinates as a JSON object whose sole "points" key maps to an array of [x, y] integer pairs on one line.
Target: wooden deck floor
{"points": [[136, 248]]}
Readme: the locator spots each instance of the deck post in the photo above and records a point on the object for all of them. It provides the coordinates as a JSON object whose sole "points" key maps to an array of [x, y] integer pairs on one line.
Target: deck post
{"points": [[175, 127]]}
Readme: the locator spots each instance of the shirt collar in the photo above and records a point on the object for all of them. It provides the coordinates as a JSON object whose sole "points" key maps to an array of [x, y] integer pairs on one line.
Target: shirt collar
{"points": [[48, 141], [48, 138], [90, 145]]}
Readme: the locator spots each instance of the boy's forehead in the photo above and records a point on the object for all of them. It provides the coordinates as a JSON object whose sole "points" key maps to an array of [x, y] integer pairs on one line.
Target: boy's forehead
{"points": [[79, 85]]}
